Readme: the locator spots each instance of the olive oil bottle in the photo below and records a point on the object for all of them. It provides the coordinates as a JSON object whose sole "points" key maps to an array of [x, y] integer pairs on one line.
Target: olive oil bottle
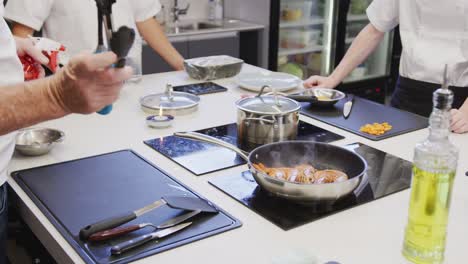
{"points": [[435, 163]]}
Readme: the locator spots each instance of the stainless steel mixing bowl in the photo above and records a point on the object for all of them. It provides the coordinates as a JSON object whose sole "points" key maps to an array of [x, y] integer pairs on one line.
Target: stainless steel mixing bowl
{"points": [[37, 141]]}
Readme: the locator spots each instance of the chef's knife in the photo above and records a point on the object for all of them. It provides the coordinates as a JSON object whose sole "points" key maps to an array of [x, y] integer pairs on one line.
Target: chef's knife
{"points": [[348, 106], [119, 231], [135, 242], [177, 202]]}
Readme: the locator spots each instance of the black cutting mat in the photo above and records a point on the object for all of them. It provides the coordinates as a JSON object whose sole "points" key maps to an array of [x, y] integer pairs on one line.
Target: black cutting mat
{"points": [[201, 158], [386, 175], [201, 88], [76, 193], [367, 112]]}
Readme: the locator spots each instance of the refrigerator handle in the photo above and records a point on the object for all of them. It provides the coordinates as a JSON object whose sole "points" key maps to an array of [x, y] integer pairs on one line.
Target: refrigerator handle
{"points": [[275, 13], [342, 23]]}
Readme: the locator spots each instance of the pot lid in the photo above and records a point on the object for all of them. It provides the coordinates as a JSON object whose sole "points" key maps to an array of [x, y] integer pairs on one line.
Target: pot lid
{"points": [[170, 100], [268, 105]]}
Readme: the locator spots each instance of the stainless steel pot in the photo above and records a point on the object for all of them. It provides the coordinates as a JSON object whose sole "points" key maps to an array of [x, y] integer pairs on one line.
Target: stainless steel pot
{"points": [[265, 119], [292, 153]]}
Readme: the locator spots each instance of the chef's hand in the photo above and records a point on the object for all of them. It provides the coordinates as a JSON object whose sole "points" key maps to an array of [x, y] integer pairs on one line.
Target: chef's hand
{"points": [[88, 83], [459, 121], [320, 81], [25, 46]]}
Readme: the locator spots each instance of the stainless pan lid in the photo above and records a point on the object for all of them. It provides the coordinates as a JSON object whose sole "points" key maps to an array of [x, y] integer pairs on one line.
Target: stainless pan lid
{"points": [[268, 105], [170, 100]]}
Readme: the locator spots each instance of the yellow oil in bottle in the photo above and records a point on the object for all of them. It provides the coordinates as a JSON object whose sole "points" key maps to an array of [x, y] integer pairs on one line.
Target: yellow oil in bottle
{"points": [[428, 215]]}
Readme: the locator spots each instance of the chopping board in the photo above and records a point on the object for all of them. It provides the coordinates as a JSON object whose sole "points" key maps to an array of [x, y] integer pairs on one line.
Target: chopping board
{"points": [[76, 193], [367, 112]]}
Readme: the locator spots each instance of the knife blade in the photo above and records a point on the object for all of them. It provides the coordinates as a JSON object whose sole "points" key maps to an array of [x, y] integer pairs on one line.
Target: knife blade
{"points": [[178, 219], [120, 231], [138, 241], [348, 106]]}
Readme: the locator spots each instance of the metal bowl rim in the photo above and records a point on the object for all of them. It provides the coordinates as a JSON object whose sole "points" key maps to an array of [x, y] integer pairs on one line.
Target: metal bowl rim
{"points": [[340, 97], [25, 130], [295, 109]]}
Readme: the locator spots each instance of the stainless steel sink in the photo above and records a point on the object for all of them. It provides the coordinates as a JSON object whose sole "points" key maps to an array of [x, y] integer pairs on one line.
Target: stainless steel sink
{"points": [[192, 27]]}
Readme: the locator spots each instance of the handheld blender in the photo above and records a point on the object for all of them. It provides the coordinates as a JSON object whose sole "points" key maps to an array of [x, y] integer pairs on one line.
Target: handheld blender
{"points": [[119, 41]]}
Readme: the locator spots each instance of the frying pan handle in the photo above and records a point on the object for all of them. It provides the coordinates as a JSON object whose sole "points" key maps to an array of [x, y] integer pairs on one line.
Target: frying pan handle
{"points": [[212, 140]]}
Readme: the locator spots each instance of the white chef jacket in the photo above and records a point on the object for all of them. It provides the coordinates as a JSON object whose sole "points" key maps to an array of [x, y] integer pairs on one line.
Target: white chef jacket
{"points": [[433, 33], [11, 71], [74, 22]]}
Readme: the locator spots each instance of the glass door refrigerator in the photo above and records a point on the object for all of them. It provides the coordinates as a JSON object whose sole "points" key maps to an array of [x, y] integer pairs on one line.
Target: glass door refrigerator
{"points": [[310, 37], [371, 79], [302, 35]]}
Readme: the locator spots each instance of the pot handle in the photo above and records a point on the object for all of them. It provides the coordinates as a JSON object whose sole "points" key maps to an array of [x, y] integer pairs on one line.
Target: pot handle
{"points": [[213, 140], [275, 92], [260, 119]]}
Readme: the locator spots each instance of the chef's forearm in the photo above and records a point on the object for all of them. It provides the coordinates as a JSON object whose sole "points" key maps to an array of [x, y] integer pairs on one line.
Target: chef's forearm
{"points": [[464, 107], [154, 35], [21, 30], [27, 104], [363, 45]]}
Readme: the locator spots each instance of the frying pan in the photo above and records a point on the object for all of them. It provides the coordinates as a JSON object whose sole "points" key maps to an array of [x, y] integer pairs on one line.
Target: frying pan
{"points": [[312, 96], [291, 153]]}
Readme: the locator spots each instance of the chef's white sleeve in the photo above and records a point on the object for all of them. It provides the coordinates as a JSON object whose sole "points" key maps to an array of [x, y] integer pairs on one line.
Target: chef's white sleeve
{"points": [[145, 9], [31, 13], [384, 14]]}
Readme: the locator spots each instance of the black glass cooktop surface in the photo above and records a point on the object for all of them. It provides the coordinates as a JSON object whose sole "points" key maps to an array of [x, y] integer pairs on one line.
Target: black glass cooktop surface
{"points": [[202, 158], [386, 175], [200, 88]]}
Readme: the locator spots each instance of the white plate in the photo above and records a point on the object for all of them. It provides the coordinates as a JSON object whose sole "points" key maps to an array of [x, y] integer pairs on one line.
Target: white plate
{"points": [[279, 80]]}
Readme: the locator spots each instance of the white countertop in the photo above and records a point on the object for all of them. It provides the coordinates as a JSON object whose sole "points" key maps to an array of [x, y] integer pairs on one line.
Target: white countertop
{"points": [[371, 233]]}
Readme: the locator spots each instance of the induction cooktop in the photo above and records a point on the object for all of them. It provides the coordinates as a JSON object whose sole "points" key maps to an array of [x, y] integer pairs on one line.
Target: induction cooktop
{"points": [[201, 158], [386, 174]]}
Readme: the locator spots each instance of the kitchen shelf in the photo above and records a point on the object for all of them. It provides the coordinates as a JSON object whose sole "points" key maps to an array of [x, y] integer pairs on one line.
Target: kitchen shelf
{"points": [[303, 23], [352, 18], [286, 52], [361, 78]]}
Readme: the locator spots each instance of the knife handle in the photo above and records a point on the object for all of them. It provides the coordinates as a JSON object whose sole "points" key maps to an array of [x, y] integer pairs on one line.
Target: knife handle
{"points": [[132, 243], [115, 232], [109, 223]]}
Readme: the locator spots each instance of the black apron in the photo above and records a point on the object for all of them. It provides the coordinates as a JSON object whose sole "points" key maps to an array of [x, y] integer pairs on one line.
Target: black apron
{"points": [[416, 96]]}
